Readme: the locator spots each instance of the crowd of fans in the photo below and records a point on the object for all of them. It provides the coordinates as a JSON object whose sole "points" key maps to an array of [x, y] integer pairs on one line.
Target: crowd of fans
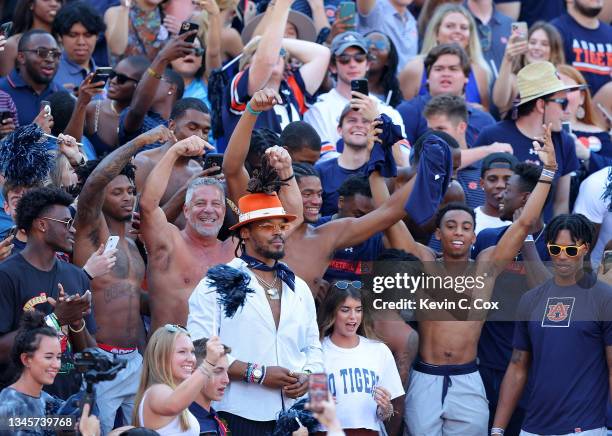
{"points": [[209, 190]]}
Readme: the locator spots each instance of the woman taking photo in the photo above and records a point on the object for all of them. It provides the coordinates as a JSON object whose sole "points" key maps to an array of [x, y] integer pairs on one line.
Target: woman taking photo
{"points": [[451, 23], [361, 371], [543, 43], [170, 381]]}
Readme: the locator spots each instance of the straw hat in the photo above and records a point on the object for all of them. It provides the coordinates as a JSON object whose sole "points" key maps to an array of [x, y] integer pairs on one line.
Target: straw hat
{"points": [[257, 207], [305, 27], [537, 80]]}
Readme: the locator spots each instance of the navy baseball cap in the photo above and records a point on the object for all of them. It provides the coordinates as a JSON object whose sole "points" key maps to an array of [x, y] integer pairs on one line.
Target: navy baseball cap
{"points": [[348, 39], [498, 160]]}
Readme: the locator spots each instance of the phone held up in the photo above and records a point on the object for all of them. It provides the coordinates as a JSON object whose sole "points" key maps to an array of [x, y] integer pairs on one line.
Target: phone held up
{"points": [[188, 26]]}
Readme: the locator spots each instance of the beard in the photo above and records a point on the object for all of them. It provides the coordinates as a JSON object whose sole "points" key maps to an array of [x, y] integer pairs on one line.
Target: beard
{"points": [[269, 254], [585, 10], [207, 232]]}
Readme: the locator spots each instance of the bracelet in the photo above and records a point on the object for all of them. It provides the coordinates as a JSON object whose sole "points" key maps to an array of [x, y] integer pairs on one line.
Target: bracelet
{"points": [[79, 330], [251, 110], [87, 274], [151, 72], [548, 182], [263, 374], [209, 363], [385, 414], [288, 178], [497, 430], [548, 173]]}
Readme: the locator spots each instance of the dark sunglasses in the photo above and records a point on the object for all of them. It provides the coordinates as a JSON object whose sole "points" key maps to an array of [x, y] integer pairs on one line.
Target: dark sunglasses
{"points": [[45, 53], [344, 284], [176, 328], [121, 78], [562, 101], [344, 59], [486, 36], [68, 223], [570, 250], [378, 44]]}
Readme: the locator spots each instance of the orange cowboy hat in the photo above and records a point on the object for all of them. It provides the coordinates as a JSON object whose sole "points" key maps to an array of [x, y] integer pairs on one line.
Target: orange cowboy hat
{"points": [[257, 207]]}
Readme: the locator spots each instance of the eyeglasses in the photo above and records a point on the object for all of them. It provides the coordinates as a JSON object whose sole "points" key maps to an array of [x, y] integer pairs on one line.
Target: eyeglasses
{"points": [[562, 101], [45, 53], [344, 284], [176, 328], [68, 223], [269, 227], [198, 51], [346, 58], [378, 44], [121, 78], [570, 250]]}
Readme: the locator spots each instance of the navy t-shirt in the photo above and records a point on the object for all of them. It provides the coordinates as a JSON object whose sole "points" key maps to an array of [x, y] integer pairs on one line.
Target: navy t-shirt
{"points": [[566, 329], [587, 50], [565, 151], [415, 123], [495, 344], [332, 176], [535, 10], [469, 179]]}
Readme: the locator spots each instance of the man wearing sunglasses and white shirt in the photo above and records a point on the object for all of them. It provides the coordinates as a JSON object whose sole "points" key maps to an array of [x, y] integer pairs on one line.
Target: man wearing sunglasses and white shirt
{"points": [[562, 342], [349, 61], [543, 99]]}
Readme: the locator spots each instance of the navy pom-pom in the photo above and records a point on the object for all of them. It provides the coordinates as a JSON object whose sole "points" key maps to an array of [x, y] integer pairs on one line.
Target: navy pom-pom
{"points": [[286, 423], [232, 286], [24, 157]]}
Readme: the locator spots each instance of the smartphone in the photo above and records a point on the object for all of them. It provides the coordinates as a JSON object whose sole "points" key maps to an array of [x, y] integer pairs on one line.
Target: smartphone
{"points": [[188, 26], [111, 244], [46, 106], [519, 28], [101, 75], [213, 160], [6, 29], [317, 390], [347, 9], [12, 232], [607, 260], [5, 115], [360, 85]]}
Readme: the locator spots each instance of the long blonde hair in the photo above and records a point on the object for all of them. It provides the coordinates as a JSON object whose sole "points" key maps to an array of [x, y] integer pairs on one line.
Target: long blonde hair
{"points": [[473, 49], [157, 369]]}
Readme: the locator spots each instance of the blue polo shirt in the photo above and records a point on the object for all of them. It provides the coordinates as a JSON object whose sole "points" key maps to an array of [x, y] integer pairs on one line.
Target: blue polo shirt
{"points": [[25, 98], [69, 73], [209, 421], [567, 330], [493, 38], [415, 123]]}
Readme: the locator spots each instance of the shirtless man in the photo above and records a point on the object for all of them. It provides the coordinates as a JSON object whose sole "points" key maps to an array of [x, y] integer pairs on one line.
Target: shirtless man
{"points": [[189, 116], [448, 348], [105, 209]]}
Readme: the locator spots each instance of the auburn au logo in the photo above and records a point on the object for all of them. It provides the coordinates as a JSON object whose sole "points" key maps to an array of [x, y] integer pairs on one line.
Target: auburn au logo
{"points": [[558, 312]]}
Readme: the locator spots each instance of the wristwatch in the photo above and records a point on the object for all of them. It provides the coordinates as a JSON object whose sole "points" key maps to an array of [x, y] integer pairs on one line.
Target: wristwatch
{"points": [[257, 374]]}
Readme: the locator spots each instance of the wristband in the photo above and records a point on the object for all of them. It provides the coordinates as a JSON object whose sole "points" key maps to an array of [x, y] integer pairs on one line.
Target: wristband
{"points": [[251, 110], [87, 274], [548, 173], [51, 321], [151, 72], [78, 330], [288, 178], [548, 182], [497, 430]]}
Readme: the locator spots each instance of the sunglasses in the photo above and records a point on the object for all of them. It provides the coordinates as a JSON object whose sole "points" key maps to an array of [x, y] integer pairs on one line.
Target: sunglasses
{"points": [[269, 227], [344, 284], [562, 101], [486, 36], [346, 58], [569, 250], [176, 328], [378, 44], [121, 78], [45, 53], [67, 223]]}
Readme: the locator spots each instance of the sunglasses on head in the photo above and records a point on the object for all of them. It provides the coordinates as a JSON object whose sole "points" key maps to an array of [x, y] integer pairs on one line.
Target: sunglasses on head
{"points": [[562, 101], [176, 328], [378, 44], [121, 78], [346, 58], [344, 284], [569, 250]]}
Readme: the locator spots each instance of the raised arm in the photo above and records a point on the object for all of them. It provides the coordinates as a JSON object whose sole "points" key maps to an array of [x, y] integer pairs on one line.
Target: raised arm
{"points": [[235, 155], [91, 228], [87, 91], [144, 95], [475, 154], [116, 19], [512, 388], [290, 195], [268, 50], [504, 88], [513, 238], [562, 195], [318, 15], [315, 59], [213, 37]]}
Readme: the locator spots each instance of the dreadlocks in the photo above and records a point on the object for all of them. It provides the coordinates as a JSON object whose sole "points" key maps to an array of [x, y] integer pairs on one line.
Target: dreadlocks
{"points": [[265, 179], [577, 224]]}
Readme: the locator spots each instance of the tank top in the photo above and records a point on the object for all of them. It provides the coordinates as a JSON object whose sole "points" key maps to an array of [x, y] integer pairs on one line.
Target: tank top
{"points": [[173, 428]]}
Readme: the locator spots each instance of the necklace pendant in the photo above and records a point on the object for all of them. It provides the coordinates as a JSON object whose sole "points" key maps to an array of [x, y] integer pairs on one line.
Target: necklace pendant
{"points": [[273, 293]]}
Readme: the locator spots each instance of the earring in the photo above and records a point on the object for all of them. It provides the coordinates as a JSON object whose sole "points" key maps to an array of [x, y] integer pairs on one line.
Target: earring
{"points": [[169, 92], [580, 113]]}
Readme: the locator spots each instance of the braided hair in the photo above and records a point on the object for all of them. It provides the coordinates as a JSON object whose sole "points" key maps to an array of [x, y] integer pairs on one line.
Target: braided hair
{"points": [[579, 226], [303, 169]]}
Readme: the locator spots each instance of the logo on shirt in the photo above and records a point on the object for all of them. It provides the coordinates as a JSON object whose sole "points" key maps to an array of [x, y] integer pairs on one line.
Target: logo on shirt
{"points": [[558, 312], [34, 301], [473, 185]]}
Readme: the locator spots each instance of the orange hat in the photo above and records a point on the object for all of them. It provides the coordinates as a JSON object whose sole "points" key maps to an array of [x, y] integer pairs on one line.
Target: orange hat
{"points": [[257, 207]]}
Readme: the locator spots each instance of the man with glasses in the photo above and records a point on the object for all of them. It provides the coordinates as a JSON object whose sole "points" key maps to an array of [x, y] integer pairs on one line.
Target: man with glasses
{"points": [[543, 100], [36, 279], [349, 61], [31, 82], [567, 316]]}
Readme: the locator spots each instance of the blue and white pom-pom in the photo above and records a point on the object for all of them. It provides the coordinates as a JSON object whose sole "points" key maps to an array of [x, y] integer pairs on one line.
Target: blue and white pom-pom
{"points": [[232, 287], [25, 159], [287, 423]]}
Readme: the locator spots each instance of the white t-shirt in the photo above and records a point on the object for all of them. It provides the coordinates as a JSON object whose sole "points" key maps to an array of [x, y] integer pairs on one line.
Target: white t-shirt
{"points": [[484, 221], [591, 204], [351, 374]]}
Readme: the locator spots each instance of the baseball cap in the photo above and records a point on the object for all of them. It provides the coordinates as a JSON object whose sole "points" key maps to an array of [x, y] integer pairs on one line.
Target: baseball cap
{"points": [[348, 39], [498, 160]]}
